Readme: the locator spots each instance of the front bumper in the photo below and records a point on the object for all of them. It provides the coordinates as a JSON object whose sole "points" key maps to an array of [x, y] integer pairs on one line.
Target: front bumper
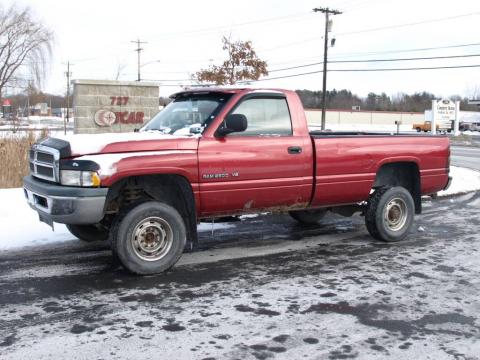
{"points": [[64, 204]]}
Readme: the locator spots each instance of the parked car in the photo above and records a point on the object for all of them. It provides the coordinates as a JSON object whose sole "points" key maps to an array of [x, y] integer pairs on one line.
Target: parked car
{"points": [[475, 126], [242, 151], [468, 126], [425, 126]]}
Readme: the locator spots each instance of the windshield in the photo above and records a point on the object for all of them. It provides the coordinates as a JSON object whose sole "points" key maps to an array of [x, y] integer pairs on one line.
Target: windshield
{"points": [[188, 114]]}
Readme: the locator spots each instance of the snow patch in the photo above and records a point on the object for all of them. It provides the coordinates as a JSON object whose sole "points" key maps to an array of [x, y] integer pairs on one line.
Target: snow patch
{"points": [[108, 162], [94, 143], [204, 226], [463, 181], [20, 226]]}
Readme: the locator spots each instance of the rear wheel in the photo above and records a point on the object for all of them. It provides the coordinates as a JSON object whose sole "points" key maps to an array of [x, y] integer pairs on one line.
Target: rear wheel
{"points": [[308, 217], [88, 233], [419, 129], [390, 214], [149, 239]]}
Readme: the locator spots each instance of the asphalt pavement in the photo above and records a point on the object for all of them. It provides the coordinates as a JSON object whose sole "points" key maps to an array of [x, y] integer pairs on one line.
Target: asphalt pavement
{"points": [[260, 288], [466, 156]]}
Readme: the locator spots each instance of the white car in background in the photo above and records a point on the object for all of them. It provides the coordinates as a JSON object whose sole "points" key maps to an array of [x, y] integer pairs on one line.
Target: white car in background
{"points": [[475, 127]]}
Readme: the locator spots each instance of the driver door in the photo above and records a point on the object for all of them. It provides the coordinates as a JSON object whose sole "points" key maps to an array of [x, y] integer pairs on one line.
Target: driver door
{"points": [[264, 167]]}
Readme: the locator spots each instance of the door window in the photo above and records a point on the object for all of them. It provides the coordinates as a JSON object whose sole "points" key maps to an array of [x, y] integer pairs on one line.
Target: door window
{"points": [[265, 116]]}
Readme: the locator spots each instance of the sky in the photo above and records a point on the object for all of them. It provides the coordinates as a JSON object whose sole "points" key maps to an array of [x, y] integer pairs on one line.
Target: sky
{"points": [[183, 37]]}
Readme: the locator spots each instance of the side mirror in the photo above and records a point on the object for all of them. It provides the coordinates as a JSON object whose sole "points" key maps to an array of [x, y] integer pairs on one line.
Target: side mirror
{"points": [[196, 130], [233, 123]]}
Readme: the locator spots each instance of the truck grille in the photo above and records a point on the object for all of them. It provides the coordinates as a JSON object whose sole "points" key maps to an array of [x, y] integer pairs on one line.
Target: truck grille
{"points": [[44, 162]]}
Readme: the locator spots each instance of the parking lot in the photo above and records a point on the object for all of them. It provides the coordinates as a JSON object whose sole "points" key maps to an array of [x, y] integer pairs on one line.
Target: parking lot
{"points": [[260, 288]]}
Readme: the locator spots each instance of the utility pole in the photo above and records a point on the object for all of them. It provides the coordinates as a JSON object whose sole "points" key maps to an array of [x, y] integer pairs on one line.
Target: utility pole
{"points": [[67, 118], [327, 12], [138, 50]]}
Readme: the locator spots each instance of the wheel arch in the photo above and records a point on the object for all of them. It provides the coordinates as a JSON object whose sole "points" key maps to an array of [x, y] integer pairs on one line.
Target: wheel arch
{"points": [[404, 173], [172, 189]]}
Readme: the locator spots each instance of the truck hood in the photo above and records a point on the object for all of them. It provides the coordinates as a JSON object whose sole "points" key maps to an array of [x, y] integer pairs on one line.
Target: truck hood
{"points": [[109, 143]]}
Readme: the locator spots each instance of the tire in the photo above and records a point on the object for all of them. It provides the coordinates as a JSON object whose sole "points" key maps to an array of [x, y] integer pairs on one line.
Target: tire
{"points": [[88, 233], [419, 129], [390, 214], [149, 239], [308, 217]]}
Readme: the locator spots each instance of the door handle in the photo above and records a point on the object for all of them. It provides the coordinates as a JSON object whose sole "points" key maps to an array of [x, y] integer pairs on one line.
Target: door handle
{"points": [[295, 150]]}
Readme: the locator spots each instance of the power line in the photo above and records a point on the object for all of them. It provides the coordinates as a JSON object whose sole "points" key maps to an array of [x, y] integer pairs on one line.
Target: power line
{"points": [[409, 69], [409, 24], [341, 55], [377, 60], [200, 32], [407, 59], [348, 55], [313, 38], [374, 29], [367, 70]]}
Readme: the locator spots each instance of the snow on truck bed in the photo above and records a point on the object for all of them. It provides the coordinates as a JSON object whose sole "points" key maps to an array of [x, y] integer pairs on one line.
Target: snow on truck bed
{"points": [[20, 227]]}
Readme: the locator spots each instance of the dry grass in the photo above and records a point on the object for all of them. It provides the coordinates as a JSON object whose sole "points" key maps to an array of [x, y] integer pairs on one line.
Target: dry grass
{"points": [[14, 158]]}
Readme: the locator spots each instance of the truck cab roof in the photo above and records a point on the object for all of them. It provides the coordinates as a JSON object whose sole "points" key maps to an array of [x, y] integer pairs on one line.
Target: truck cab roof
{"points": [[226, 90]]}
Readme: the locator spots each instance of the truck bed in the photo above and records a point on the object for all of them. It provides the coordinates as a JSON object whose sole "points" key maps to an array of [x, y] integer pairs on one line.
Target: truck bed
{"points": [[347, 163]]}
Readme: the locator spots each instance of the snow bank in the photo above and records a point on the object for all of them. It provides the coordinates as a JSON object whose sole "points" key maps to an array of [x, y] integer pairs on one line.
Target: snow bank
{"points": [[20, 227], [463, 181]]}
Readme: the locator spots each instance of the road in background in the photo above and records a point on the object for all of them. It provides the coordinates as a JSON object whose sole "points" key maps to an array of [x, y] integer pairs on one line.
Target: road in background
{"points": [[466, 156]]}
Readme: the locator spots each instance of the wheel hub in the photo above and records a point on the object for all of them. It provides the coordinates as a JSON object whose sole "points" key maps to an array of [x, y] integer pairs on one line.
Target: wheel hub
{"points": [[152, 238], [395, 214]]}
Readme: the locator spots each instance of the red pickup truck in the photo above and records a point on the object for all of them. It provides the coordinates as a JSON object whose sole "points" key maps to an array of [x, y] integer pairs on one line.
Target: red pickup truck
{"points": [[217, 152]]}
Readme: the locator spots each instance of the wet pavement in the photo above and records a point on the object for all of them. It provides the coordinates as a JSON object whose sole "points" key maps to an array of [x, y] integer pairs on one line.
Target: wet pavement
{"points": [[260, 288], [466, 156]]}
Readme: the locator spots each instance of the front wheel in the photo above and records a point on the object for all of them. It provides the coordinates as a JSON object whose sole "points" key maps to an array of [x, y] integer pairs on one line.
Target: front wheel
{"points": [[88, 233], [150, 238], [390, 214]]}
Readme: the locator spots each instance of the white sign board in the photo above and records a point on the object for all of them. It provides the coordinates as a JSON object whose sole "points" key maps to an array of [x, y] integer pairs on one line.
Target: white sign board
{"points": [[445, 110], [444, 113]]}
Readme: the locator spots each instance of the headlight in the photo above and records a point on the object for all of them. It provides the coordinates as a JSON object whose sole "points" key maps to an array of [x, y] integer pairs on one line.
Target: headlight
{"points": [[79, 178]]}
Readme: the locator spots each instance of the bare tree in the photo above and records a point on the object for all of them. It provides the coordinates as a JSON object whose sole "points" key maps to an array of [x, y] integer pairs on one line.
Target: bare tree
{"points": [[474, 92], [242, 64], [119, 71], [23, 42]]}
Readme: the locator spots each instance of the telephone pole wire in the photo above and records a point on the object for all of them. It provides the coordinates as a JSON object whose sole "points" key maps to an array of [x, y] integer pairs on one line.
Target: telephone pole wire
{"points": [[138, 50], [327, 11]]}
